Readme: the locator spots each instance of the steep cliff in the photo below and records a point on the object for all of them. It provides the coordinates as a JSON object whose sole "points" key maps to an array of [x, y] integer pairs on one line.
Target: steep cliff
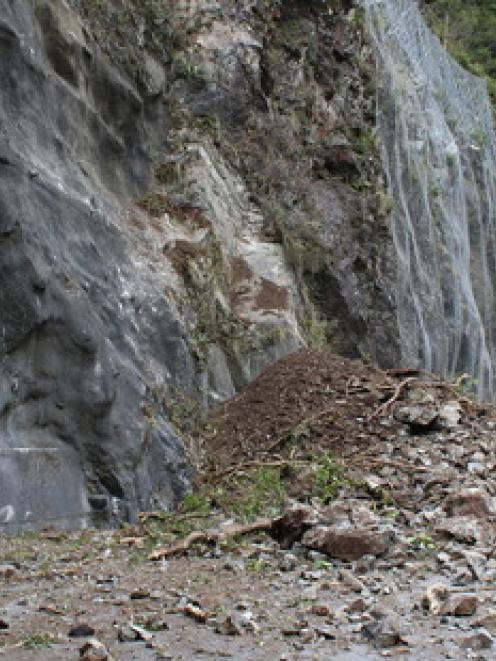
{"points": [[188, 190]]}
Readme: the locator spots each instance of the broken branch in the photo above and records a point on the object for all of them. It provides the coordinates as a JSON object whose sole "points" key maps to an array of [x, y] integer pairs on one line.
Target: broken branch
{"points": [[383, 408], [210, 537]]}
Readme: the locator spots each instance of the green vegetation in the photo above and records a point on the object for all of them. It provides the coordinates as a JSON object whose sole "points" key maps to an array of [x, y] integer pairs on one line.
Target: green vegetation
{"points": [[330, 477], [38, 640], [467, 29], [260, 492]]}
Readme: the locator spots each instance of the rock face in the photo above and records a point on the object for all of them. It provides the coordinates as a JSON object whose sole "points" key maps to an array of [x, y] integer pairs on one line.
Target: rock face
{"points": [[153, 256], [84, 324]]}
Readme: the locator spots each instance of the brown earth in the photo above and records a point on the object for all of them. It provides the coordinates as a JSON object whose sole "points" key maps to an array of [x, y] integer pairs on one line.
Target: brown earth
{"points": [[312, 402]]}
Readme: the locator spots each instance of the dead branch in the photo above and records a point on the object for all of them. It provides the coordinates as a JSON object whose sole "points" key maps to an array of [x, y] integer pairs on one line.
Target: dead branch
{"points": [[402, 465], [177, 516], [383, 408], [407, 371], [210, 537]]}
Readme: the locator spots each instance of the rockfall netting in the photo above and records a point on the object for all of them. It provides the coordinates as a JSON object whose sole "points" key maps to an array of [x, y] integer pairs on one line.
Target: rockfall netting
{"points": [[436, 131]]}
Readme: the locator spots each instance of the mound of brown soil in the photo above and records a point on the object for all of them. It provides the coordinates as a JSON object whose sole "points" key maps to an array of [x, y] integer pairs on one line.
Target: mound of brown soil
{"points": [[314, 401]]}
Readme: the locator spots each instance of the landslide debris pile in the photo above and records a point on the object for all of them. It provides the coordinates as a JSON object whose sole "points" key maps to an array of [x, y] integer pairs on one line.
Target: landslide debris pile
{"points": [[377, 538], [314, 401]]}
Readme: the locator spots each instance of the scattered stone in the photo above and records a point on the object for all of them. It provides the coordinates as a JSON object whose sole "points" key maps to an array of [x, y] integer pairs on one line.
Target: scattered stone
{"points": [[130, 633], [449, 415], [81, 631], [156, 623], [140, 594], [126, 634], [420, 419], [8, 572], [94, 650], [487, 621], [346, 543], [462, 605], [383, 633], [247, 621], [478, 641], [350, 580], [471, 502], [142, 634], [228, 627], [435, 598], [325, 631], [336, 514], [460, 528], [288, 563], [322, 610], [357, 606]]}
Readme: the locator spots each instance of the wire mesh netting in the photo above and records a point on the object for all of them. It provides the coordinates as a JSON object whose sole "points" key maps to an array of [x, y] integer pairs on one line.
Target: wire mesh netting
{"points": [[435, 127]]}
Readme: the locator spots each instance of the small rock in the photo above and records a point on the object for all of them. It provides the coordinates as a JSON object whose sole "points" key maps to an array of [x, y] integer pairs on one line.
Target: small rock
{"points": [[350, 580], [156, 623], [126, 634], [288, 563], [420, 419], [336, 514], [8, 572], [450, 414], [4, 624], [132, 632], [346, 543], [462, 605], [435, 599], [322, 610], [357, 606], [487, 621], [461, 528], [471, 502], [140, 594], [142, 634], [228, 627], [481, 640], [81, 631], [325, 631], [383, 633], [94, 650]]}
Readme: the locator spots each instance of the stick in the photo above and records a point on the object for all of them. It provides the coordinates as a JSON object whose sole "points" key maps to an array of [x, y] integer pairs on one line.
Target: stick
{"points": [[397, 393], [393, 464], [210, 536]]}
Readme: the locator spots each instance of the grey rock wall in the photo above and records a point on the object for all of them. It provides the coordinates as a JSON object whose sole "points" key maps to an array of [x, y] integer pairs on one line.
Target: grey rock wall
{"points": [[82, 330], [184, 198]]}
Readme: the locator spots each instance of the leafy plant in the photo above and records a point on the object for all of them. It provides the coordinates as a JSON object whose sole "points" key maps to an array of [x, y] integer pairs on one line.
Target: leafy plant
{"points": [[330, 477]]}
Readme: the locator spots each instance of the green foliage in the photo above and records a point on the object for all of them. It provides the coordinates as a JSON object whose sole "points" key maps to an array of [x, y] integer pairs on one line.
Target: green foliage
{"points": [[39, 640], [422, 541], [467, 29], [260, 492], [257, 565], [330, 477]]}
